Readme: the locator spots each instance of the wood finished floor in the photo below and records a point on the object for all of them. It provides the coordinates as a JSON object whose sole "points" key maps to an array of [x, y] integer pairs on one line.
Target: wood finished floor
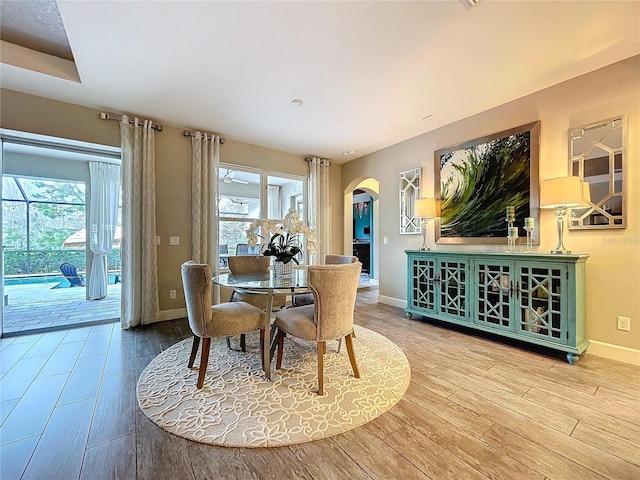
{"points": [[476, 408]]}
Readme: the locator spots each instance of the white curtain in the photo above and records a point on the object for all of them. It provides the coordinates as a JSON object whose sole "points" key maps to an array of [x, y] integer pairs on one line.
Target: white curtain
{"points": [[103, 216], [139, 262], [273, 200], [205, 159], [319, 204]]}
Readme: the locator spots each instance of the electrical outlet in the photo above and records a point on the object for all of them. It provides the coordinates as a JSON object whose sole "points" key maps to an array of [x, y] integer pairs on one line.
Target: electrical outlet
{"points": [[624, 324], [172, 294], [385, 240], [174, 240], [157, 240]]}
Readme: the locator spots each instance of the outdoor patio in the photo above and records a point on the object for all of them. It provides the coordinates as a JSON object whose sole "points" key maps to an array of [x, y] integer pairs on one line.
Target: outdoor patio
{"points": [[40, 305]]}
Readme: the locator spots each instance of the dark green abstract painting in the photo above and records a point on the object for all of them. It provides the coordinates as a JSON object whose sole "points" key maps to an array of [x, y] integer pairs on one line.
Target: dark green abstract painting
{"points": [[479, 179]]}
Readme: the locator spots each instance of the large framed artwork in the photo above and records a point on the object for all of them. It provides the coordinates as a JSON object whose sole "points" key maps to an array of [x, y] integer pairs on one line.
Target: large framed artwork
{"points": [[477, 180]]}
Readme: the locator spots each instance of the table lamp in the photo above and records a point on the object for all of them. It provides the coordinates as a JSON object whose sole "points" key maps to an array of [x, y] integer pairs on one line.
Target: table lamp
{"points": [[561, 193], [424, 208]]}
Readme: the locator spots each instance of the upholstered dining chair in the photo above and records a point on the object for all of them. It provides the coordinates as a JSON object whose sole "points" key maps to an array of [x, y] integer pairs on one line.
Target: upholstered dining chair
{"points": [[247, 265], [207, 321], [301, 299], [330, 317]]}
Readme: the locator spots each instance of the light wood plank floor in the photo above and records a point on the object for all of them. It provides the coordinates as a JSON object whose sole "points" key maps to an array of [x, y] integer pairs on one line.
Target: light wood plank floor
{"points": [[476, 408]]}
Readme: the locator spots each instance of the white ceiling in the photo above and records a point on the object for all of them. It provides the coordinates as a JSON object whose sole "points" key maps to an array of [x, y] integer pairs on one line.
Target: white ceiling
{"points": [[368, 72]]}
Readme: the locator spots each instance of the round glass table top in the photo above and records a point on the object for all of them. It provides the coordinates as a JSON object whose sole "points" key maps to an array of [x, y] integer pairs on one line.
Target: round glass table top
{"points": [[265, 281]]}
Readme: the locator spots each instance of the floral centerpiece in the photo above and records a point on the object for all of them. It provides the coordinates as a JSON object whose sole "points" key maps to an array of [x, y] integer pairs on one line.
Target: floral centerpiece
{"points": [[284, 238]]}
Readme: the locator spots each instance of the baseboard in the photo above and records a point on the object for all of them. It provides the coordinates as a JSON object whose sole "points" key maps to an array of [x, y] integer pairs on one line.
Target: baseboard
{"points": [[394, 302], [172, 314], [614, 352]]}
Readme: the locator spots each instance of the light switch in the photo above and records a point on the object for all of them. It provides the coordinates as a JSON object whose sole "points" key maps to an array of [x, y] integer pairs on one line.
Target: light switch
{"points": [[174, 240], [157, 240], [385, 240]]}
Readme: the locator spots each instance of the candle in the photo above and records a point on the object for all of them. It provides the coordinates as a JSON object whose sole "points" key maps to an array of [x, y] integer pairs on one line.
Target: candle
{"points": [[529, 222], [513, 232], [511, 213]]}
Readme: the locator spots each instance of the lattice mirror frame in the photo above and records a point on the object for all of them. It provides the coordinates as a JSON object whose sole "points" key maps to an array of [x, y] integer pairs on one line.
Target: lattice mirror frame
{"points": [[409, 192], [597, 155]]}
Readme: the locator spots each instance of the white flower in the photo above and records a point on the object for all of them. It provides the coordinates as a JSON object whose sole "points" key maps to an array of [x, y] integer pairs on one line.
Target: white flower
{"points": [[290, 230]]}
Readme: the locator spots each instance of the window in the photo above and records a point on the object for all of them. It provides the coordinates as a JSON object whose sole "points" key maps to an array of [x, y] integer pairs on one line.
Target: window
{"points": [[247, 194], [39, 216]]}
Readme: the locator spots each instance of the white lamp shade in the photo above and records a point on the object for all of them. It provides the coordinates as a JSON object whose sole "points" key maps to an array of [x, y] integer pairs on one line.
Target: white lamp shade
{"points": [[561, 192], [425, 208]]}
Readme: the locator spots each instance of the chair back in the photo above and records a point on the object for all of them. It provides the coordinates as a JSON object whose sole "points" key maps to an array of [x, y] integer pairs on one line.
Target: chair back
{"points": [[196, 281], [246, 249], [247, 264], [331, 259], [334, 290], [70, 272]]}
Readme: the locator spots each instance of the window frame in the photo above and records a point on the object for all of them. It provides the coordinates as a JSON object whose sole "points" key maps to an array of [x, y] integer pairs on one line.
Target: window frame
{"points": [[264, 197]]}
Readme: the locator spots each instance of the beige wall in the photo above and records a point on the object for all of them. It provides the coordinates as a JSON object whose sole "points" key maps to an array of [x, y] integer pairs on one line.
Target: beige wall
{"points": [[43, 116], [613, 270]]}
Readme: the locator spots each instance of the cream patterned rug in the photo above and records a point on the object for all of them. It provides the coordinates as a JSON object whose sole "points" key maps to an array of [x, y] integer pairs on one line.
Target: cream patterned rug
{"points": [[237, 407]]}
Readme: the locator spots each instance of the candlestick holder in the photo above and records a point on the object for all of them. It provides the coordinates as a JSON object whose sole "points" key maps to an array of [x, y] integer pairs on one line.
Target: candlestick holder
{"points": [[529, 229], [509, 243], [510, 219], [529, 226], [512, 236]]}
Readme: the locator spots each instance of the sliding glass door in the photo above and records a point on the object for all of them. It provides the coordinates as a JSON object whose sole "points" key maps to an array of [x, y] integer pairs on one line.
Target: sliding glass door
{"points": [[45, 202]]}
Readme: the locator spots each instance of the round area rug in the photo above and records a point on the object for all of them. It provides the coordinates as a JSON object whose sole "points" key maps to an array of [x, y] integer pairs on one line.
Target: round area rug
{"points": [[238, 407]]}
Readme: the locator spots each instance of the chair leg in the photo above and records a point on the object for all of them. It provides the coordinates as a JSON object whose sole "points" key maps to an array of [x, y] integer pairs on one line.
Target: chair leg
{"points": [[262, 347], [353, 335], [322, 346], [194, 350], [352, 355], [229, 343], [204, 359], [243, 342], [280, 339]]}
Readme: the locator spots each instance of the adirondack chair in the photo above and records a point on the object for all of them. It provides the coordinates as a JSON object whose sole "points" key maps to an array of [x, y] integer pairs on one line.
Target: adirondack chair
{"points": [[70, 272]]}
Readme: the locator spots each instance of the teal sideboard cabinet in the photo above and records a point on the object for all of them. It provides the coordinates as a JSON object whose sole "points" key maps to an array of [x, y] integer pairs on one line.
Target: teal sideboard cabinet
{"points": [[535, 298]]}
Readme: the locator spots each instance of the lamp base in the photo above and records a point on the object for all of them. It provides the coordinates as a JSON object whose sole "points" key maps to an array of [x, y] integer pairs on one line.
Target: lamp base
{"points": [[424, 248], [560, 252]]}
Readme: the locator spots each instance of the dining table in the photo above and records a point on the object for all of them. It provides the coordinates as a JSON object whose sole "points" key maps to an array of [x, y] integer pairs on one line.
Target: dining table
{"points": [[267, 284]]}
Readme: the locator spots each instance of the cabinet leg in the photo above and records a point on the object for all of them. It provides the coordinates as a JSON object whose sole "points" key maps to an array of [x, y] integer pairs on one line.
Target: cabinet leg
{"points": [[409, 315], [572, 358]]}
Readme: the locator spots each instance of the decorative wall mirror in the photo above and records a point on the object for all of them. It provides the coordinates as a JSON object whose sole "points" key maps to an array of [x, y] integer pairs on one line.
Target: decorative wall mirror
{"points": [[596, 155], [409, 193]]}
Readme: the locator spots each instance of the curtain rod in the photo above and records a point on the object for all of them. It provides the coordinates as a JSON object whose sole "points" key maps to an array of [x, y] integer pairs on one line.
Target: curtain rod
{"points": [[187, 133], [322, 161], [113, 116]]}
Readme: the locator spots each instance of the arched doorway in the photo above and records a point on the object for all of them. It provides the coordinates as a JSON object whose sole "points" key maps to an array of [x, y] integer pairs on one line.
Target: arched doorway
{"points": [[361, 223]]}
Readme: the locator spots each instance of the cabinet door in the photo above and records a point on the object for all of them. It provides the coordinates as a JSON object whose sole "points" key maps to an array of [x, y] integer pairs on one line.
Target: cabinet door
{"points": [[422, 277], [543, 302], [494, 301], [452, 296]]}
